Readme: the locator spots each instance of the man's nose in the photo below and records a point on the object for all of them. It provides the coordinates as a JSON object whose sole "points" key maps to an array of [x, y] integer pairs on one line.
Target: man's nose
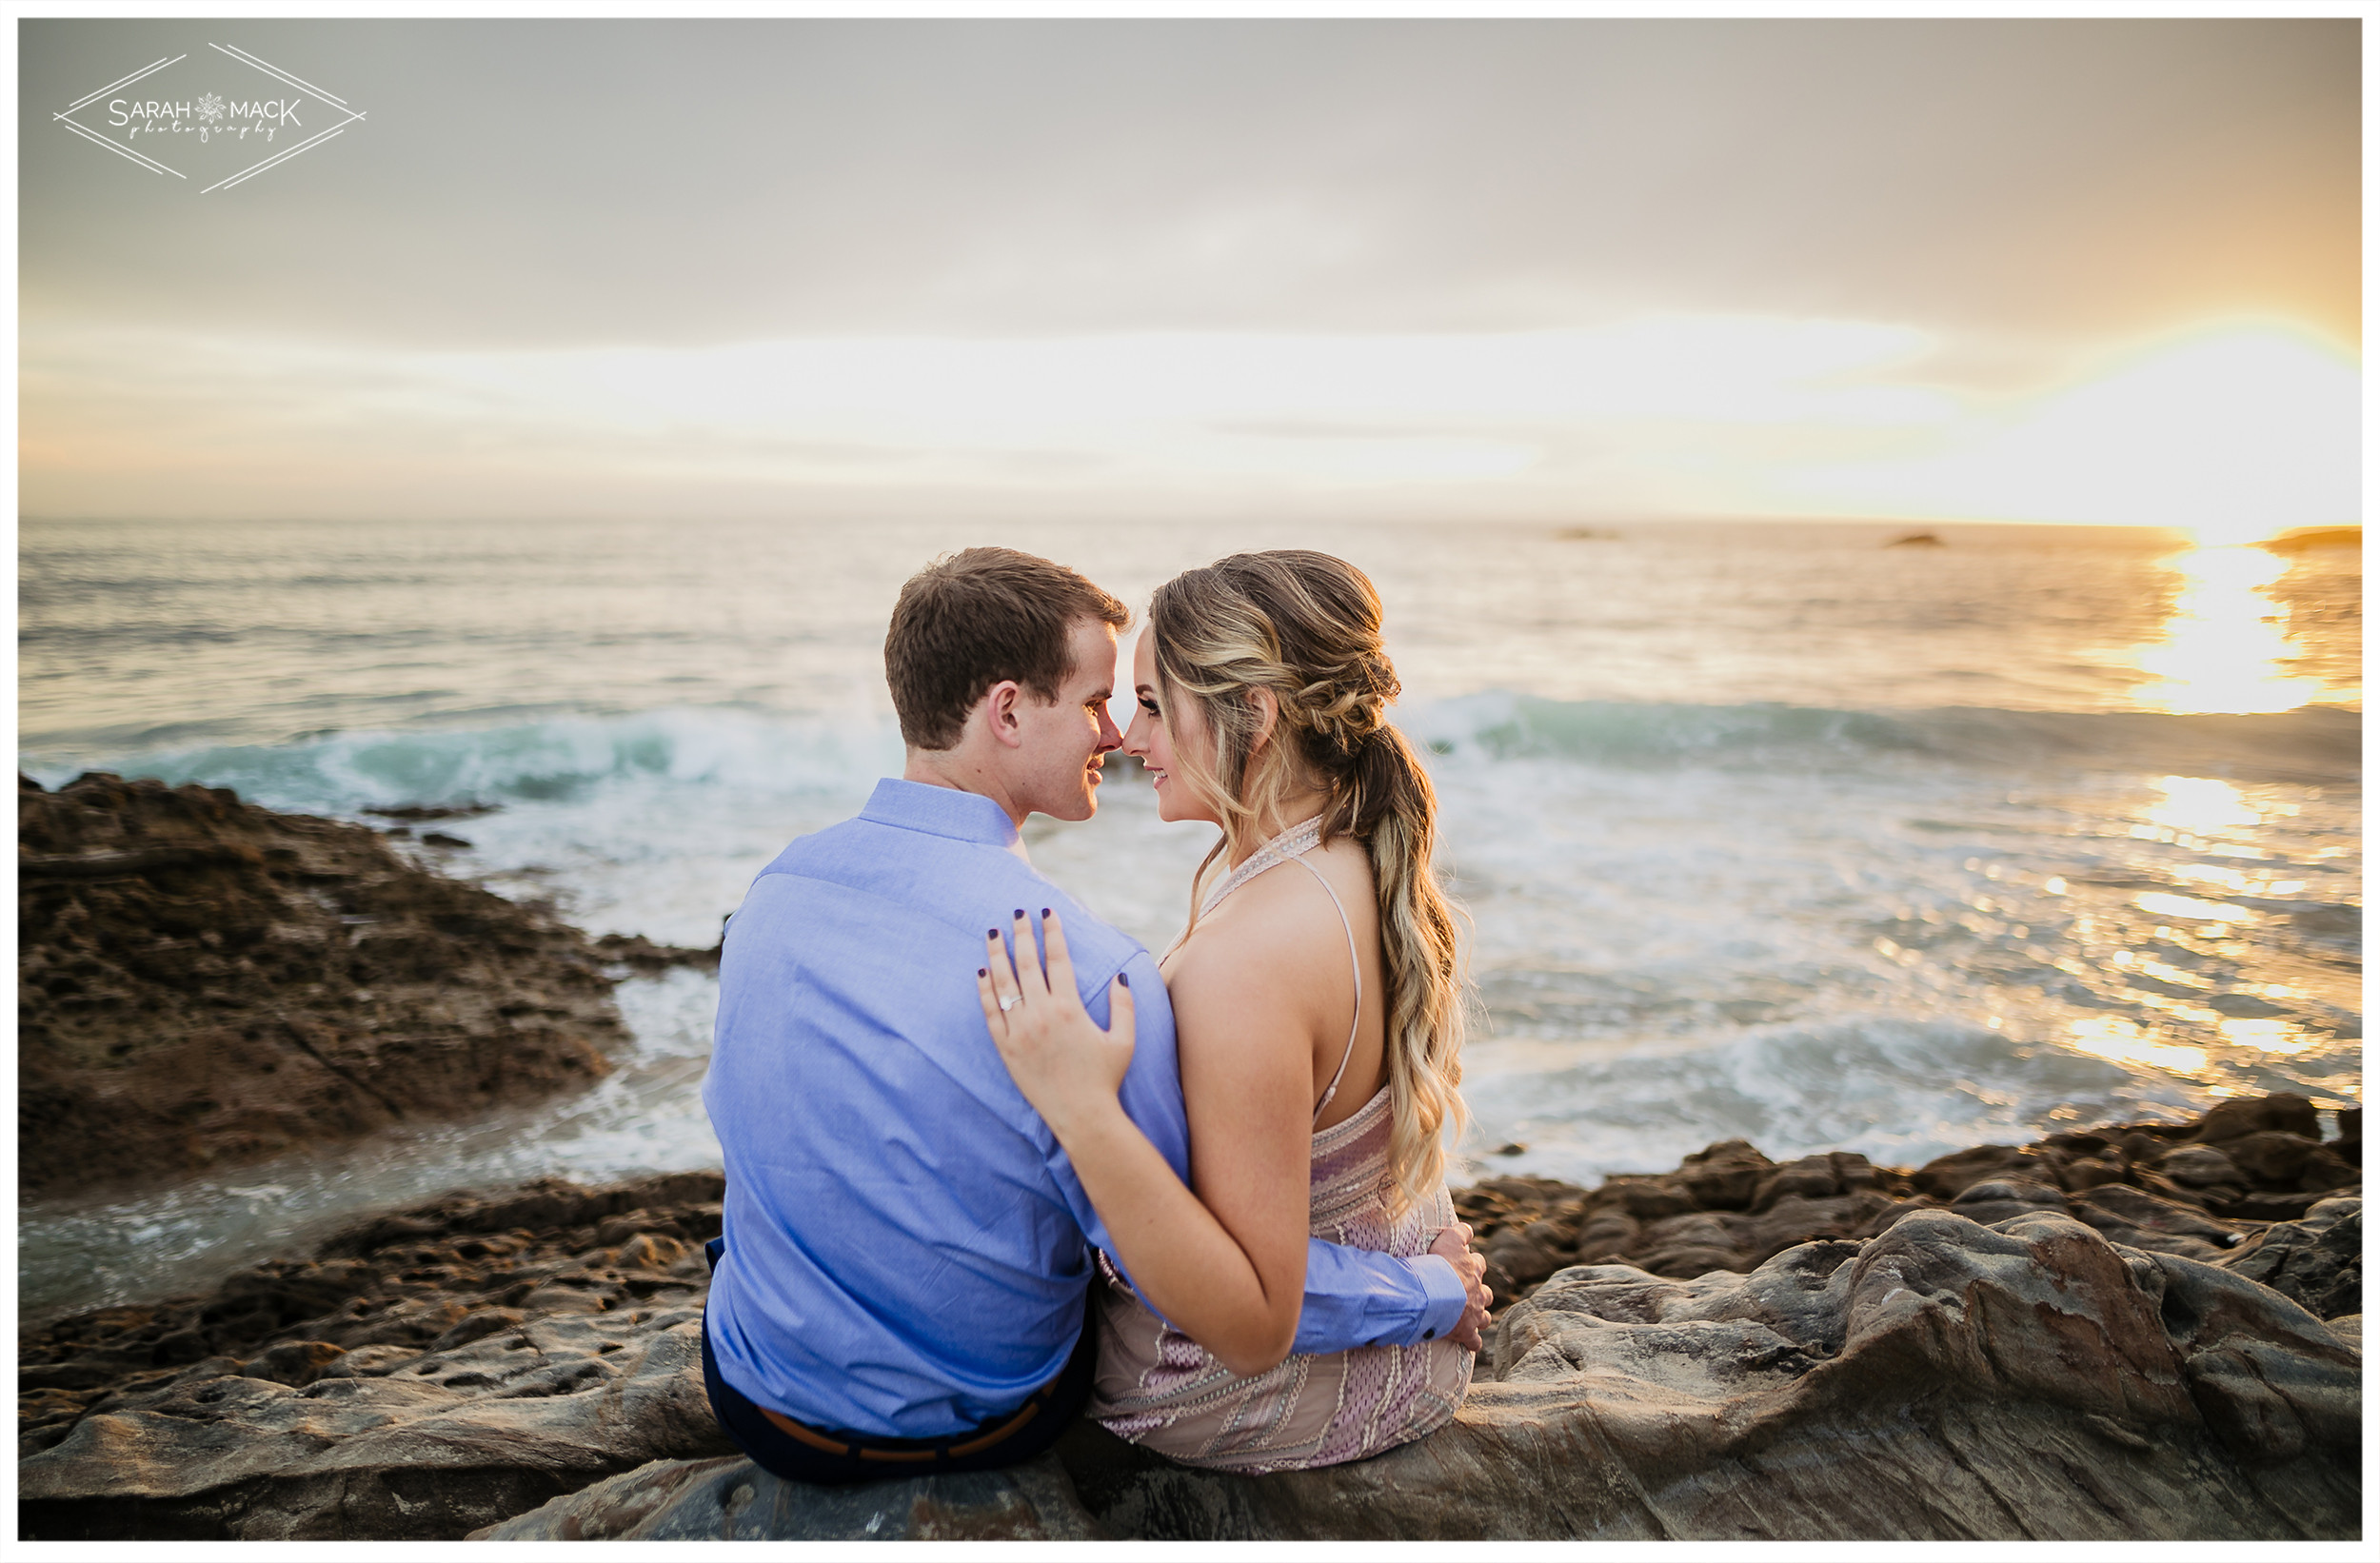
{"points": [[1109, 737]]}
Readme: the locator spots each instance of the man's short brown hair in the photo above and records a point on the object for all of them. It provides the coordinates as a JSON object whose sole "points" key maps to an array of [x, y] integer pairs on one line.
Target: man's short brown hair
{"points": [[972, 618]]}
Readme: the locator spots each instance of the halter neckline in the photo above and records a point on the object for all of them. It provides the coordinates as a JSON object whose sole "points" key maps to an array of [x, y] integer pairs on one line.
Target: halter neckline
{"points": [[1292, 845], [1296, 842]]}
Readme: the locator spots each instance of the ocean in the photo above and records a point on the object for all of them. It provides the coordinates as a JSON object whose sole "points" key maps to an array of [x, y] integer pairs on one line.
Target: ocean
{"points": [[1765, 830]]}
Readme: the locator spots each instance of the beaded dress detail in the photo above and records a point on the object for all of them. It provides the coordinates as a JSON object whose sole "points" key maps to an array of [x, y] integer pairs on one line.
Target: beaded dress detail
{"points": [[1159, 1388]]}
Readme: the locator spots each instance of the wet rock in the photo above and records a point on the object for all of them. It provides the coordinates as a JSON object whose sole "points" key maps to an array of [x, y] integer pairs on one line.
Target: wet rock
{"points": [[201, 983], [735, 1500], [642, 956]]}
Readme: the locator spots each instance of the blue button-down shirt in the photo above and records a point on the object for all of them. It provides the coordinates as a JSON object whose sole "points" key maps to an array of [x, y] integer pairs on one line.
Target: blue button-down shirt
{"points": [[907, 1247]]}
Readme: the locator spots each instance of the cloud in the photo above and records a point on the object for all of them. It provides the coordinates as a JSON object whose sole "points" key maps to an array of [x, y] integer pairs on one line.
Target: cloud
{"points": [[616, 183]]}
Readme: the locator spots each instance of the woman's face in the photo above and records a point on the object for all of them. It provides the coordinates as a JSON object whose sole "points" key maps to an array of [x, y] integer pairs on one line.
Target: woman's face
{"points": [[1162, 732]]}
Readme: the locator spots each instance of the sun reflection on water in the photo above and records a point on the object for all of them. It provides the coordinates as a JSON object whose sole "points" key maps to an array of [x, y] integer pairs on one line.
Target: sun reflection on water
{"points": [[2128, 1042], [2201, 805], [2227, 646]]}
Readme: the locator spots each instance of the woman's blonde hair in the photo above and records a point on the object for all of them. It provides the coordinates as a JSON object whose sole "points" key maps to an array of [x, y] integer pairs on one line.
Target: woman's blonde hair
{"points": [[1306, 627]]}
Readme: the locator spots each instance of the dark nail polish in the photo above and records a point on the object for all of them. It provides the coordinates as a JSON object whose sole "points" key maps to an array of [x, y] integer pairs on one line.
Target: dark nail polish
{"points": [[1018, 912], [1045, 912], [981, 972], [991, 933], [1125, 981]]}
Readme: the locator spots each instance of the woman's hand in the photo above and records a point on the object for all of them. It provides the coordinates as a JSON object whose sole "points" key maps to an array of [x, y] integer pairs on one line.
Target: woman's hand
{"points": [[1453, 1244], [1067, 1067]]}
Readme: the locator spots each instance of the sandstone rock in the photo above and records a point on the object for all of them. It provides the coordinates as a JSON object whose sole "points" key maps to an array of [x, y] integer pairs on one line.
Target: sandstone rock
{"points": [[1725, 1175], [416, 1402], [735, 1500], [1944, 1380], [2142, 1219], [1794, 1220], [2284, 1111], [1516, 1259], [1946, 1177], [1865, 1362], [423, 1453], [2198, 1167], [2317, 1263], [2269, 1159], [1807, 1178], [2089, 1172], [201, 981], [1608, 1232], [2004, 1199], [1651, 1199]]}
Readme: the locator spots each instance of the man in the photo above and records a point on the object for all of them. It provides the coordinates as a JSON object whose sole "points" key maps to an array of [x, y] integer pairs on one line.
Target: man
{"points": [[899, 1284]]}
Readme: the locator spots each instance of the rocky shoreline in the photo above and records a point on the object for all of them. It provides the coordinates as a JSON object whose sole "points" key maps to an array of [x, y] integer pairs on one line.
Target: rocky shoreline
{"points": [[2140, 1331], [203, 982], [2089, 1337]]}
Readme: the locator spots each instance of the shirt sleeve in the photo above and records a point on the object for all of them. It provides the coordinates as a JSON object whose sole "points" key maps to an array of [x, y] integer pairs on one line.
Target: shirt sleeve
{"points": [[1353, 1297], [1358, 1296]]}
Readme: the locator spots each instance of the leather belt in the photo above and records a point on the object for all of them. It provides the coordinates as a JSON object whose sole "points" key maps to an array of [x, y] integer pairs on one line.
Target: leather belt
{"points": [[802, 1433]]}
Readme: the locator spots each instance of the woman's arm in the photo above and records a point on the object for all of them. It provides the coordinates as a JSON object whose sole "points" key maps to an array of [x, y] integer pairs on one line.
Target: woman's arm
{"points": [[1227, 1265]]}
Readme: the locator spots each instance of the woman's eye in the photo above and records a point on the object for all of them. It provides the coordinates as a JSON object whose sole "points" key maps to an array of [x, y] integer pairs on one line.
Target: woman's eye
{"points": [[1150, 706]]}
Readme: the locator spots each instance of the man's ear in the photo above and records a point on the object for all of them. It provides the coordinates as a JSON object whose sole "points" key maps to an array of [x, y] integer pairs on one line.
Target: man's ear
{"points": [[1267, 718], [1000, 712]]}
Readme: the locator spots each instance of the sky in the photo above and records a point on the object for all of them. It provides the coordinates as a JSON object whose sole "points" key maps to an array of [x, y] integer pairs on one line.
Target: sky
{"points": [[2057, 271]]}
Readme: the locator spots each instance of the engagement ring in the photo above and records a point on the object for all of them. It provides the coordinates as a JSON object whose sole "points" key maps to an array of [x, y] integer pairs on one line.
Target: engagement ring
{"points": [[1007, 1004]]}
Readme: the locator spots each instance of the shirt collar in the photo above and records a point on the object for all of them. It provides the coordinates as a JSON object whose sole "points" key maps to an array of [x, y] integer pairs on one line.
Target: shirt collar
{"points": [[942, 811]]}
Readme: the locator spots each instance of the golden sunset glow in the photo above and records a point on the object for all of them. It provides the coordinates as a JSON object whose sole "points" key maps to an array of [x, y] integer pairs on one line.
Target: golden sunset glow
{"points": [[2233, 430], [2200, 805], [2227, 646], [2127, 1041]]}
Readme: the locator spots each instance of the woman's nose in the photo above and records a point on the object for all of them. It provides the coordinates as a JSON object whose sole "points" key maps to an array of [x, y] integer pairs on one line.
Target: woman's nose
{"points": [[1137, 735]]}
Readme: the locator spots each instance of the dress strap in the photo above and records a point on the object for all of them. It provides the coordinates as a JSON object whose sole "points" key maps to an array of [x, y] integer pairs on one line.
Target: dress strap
{"points": [[1353, 960], [1292, 845]]}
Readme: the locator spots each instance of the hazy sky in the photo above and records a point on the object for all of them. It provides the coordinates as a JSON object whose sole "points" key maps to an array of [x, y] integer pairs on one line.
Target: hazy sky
{"points": [[1588, 268]]}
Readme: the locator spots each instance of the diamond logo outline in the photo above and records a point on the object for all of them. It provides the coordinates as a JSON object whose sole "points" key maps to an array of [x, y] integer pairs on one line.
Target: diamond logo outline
{"points": [[328, 100]]}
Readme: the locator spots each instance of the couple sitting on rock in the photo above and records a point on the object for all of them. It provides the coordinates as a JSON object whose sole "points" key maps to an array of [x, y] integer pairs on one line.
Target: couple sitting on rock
{"points": [[989, 1164]]}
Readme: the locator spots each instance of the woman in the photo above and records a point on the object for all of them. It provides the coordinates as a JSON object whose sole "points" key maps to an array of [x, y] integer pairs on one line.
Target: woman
{"points": [[1318, 1011]]}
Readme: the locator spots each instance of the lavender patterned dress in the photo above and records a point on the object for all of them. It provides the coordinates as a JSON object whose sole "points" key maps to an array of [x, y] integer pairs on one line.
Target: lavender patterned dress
{"points": [[1159, 1388]]}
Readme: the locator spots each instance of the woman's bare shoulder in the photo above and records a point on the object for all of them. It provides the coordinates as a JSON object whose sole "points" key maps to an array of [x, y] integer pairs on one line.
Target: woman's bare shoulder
{"points": [[1273, 932]]}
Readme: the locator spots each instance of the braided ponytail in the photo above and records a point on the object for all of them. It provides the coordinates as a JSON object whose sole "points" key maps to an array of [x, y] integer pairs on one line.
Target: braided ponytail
{"points": [[1306, 627]]}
